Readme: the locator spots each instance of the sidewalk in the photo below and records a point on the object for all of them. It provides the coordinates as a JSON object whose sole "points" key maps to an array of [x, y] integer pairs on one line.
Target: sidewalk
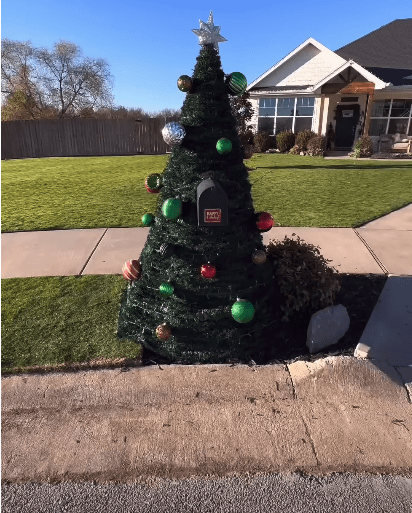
{"points": [[337, 414]]}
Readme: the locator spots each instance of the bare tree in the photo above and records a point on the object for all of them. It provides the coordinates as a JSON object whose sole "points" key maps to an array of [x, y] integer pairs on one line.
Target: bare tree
{"points": [[61, 81], [137, 113], [19, 91], [71, 83]]}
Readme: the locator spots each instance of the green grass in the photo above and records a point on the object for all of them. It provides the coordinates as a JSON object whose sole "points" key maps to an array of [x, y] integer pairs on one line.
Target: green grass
{"points": [[57, 320], [109, 192]]}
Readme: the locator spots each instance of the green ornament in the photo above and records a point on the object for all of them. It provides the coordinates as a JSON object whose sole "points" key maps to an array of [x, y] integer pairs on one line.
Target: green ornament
{"points": [[148, 219], [153, 182], [223, 146], [243, 311], [236, 83], [184, 83], [166, 289], [172, 208]]}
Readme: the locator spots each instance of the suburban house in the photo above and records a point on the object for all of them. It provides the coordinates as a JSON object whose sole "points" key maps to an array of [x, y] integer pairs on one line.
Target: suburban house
{"points": [[364, 87]]}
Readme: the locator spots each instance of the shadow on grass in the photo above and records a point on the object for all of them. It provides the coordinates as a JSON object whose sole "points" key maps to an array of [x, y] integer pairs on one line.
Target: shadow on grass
{"points": [[355, 166]]}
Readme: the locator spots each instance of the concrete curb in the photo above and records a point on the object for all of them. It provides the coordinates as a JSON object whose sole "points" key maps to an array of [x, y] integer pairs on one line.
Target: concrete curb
{"points": [[338, 414]]}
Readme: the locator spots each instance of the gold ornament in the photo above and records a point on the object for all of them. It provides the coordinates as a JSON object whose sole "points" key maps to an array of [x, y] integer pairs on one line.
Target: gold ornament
{"points": [[259, 257]]}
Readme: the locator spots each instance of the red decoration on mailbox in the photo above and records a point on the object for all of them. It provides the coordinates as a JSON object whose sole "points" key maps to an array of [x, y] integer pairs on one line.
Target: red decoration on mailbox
{"points": [[213, 215]]}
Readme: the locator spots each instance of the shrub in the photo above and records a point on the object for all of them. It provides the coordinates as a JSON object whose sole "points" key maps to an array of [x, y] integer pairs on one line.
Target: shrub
{"points": [[246, 137], [261, 141], [304, 278], [295, 150], [316, 146], [363, 147], [285, 141], [303, 138]]}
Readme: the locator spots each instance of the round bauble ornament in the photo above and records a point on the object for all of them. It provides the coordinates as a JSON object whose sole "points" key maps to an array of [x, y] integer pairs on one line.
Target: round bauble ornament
{"points": [[166, 289], [163, 332], [243, 311], [148, 219], [264, 221], [208, 271], [153, 183], [131, 270], [236, 83], [173, 133], [172, 208], [259, 257], [223, 146], [184, 83]]}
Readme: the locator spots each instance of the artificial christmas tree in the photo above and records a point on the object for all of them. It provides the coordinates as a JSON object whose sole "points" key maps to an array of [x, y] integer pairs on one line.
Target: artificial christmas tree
{"points": [[204, 290]]}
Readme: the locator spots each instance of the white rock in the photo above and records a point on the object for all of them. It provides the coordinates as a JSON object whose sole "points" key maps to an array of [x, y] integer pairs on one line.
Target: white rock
{"points": [[326, 327]]}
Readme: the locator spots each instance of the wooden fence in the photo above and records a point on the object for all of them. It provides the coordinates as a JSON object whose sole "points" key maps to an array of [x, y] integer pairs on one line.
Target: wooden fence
{"points": [[82, 137]]}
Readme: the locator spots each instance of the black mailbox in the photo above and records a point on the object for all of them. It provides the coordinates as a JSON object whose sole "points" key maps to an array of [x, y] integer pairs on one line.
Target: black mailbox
{"points": [[212, 204]]}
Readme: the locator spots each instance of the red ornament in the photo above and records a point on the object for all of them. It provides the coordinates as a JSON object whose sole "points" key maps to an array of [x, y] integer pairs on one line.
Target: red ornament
{"points": [[208, 271], [264, 221], [132, 270]]}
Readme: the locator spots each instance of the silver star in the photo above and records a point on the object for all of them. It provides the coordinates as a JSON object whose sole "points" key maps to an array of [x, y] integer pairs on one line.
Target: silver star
{"points": [[208, 33]]}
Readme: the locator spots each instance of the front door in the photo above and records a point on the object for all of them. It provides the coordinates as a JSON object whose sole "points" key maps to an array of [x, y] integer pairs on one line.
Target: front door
{"points": [[347, 117]]}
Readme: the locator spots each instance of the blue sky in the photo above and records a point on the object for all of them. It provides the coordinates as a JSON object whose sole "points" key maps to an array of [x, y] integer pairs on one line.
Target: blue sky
{"points": [[148, 45]]}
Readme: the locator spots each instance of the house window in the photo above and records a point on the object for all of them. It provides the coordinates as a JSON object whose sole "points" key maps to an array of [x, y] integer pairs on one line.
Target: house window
{"points": [[391, 117], [304, 106], [286, 107], [302, 124], [280, 114], [266, 125], [267, 107]]}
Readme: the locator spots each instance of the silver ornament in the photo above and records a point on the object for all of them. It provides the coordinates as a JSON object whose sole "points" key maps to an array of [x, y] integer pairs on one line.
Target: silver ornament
{"points": [[173, 133]]}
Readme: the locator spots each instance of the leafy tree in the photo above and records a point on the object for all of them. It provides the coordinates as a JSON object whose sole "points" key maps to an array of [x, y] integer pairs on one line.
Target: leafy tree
{"points": [[18, 106]]}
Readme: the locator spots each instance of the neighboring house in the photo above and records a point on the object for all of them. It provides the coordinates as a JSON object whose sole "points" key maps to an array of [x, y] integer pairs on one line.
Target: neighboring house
{"points": [[364, 87]]}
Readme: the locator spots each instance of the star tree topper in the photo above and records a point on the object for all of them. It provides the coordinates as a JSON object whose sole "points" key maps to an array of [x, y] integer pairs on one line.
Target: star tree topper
{"points": [[208, 33]]}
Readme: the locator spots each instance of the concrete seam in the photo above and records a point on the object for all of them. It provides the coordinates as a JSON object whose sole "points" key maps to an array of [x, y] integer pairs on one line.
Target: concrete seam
{"points": [[303, 420], [311, 440], [44, 393], [91, 254], [386, 271], [293, 385]]}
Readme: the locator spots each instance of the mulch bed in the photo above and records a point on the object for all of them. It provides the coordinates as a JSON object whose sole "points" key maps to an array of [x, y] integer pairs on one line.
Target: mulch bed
{"points": [[359, 293]]}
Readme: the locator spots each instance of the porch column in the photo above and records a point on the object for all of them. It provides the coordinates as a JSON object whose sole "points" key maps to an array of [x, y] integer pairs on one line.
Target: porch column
{"points": [[323, 115], [368, 114]]}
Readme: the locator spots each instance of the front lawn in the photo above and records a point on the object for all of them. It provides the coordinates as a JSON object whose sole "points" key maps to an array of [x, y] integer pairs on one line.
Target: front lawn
{"points": [[109, 192], [57, 320]]}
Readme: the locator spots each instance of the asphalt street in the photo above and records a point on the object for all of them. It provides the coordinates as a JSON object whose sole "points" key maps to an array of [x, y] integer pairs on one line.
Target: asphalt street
{"points": [[297, 493]]}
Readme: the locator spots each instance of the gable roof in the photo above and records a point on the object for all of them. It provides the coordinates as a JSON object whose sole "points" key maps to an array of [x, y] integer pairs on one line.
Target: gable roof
{"points": [[387, 47], [329, 65], [379, 84], [307, 43]]}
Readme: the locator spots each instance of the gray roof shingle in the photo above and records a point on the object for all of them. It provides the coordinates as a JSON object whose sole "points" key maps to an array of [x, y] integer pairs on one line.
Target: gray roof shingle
{"points": [[387, 47]]}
